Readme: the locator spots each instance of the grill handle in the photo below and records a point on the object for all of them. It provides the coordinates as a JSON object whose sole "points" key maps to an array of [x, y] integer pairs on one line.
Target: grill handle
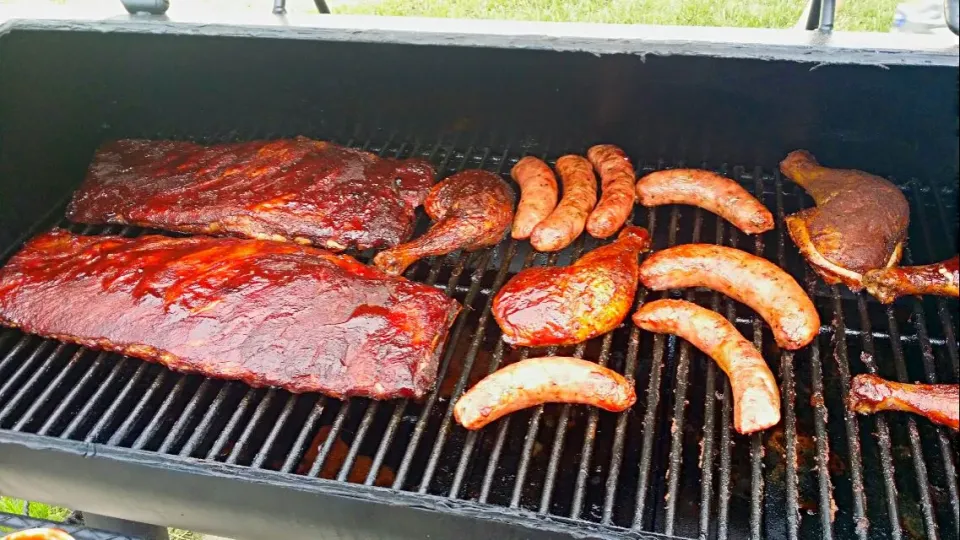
{"points": [[153, 7], [951, 12], [280, 6], [820, 15]]}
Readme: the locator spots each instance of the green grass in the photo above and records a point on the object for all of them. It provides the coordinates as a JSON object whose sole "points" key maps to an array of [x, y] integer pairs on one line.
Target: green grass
{"points": [[56, 513], [37, 510], [863, 15]]}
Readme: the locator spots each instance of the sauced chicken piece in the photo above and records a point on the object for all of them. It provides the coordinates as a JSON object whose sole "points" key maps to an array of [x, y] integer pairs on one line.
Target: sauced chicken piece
{"points": [[561, 306], [472, 210]]}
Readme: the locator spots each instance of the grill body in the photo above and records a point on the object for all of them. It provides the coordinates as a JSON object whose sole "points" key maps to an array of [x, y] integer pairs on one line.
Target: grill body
{"points": [[117, 436]]}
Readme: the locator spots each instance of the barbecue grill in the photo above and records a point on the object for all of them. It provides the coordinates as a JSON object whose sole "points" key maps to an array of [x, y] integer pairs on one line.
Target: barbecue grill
{"points": [[125, 438]]}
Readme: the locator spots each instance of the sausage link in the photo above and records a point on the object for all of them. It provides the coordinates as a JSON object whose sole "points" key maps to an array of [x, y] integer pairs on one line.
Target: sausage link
{"points": [[708, 190], [756, 398], [550, 379], [746, 278], [538, 195], [566, 222], [616, 180]]}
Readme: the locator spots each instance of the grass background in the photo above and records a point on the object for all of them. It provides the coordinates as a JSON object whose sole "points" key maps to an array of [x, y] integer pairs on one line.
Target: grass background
{"points": [[855, 15], [852, 15]]}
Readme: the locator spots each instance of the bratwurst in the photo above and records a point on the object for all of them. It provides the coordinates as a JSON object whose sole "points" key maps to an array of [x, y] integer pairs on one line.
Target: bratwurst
{"points": [[746, 278], [708, 190], [756, 398], [538, 195], [550, 379], [566, 222], [616, 180]]}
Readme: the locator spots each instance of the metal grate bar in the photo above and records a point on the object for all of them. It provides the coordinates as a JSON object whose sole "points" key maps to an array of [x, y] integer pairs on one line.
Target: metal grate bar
{"points": [[883, 431], [45, 395], [467, 363], [92, 400], [680, 385], [942, 310], [19, 391], [503, 425], [26, 367], [94, 369], [398, 411], [850, 421], [649, 424], [327, 445], [453, 339], [418, 430], [590, 435], [726, 444], [919, 464], [228, 430], [94, 434], [466, 368], [471, 440], [358, 441], [210, 414], [930, 372], [121, 432], [151, 428], [303, 438], [254, 421], [373, 406], [822, 441], [532, 428], [709, 418], [261, 455], [788, 392], [184, 419]]}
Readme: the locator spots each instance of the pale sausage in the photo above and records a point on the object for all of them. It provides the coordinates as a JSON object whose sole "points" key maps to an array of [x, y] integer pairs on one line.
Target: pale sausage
{"points": [[746, 278], [617, 183], [538, 195], [708, 190], [566, 222], [550, 379], [756, 398]]}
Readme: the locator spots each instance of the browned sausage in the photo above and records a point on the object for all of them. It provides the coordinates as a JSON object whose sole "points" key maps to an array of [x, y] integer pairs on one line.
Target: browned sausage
{"points": [[756, 398], [566, 222], [538, 195], [616, 180], [746, 278], [708, 190], [550, 379]]}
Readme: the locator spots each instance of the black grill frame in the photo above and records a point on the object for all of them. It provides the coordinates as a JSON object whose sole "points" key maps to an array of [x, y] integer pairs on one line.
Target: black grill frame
{"points": [[224, 429]]}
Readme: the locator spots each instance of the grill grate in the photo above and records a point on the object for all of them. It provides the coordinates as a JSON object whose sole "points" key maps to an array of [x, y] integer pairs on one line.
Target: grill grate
{"points": [[672, 464]]}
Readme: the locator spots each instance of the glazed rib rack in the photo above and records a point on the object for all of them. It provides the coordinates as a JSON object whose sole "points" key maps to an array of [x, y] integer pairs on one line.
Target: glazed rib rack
{"points": [[672, 464]]}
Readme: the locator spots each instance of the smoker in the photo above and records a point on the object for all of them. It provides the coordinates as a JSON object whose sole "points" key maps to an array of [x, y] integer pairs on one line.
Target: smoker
{"points": [[118, 437]]}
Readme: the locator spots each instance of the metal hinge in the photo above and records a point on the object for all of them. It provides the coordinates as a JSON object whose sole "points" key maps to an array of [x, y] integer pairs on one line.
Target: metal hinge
{"points": [[151, 7]]}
